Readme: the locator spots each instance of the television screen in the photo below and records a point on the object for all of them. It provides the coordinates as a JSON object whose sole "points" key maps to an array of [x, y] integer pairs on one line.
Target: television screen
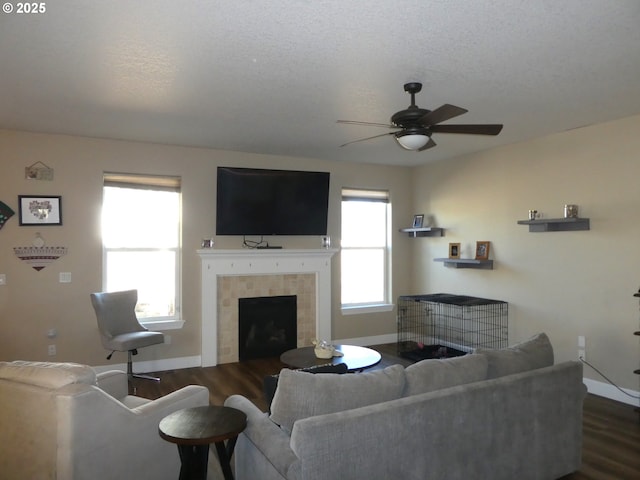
{"points": [[253, 201]]}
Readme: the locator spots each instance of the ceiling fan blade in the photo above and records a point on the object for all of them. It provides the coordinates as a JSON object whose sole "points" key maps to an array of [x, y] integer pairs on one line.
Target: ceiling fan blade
{"points": [[489, 129], [441, 114], [368, 138], [430, 144], [370, 124]]}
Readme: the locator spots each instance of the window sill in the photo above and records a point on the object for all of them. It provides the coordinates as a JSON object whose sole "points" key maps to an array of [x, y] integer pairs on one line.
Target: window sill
{"points": [[357, 310], [163, 324]]}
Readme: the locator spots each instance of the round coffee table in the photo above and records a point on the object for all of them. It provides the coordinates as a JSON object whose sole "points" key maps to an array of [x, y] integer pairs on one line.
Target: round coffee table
{"points": [[193, 429], [356, 358]]}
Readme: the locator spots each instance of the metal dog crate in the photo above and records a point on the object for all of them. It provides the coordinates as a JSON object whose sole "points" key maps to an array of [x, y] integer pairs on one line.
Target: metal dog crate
{"points": [[444, 325]]}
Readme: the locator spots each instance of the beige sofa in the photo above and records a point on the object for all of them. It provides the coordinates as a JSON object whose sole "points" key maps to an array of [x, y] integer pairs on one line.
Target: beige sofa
{"points": [[62, 421]]}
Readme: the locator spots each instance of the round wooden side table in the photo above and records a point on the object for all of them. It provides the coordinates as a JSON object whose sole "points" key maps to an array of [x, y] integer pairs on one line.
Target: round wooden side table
{"points": [[194, 429]]}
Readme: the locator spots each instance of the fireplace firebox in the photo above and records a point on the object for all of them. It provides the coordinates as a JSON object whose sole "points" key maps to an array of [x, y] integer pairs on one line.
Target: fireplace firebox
{"points": [[267, 326]]}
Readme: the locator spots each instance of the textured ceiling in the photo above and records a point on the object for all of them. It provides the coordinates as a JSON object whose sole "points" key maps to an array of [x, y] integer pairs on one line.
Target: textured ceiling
{"points": [[273, 77]]}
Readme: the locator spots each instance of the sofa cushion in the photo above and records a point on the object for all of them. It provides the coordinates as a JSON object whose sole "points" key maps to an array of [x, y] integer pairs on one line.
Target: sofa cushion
{"points": [[270, 382], [536, 352], [301, 394], [47, 374], [429, 375]]}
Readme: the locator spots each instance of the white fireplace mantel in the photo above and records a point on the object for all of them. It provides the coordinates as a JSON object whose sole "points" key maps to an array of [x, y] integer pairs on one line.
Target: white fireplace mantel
{"points": [[220, 263]]}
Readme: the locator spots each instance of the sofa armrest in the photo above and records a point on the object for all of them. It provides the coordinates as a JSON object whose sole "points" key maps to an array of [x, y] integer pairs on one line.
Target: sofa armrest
{"points": [[189, 396], [267, 437], [114, 382], [100, 437]]}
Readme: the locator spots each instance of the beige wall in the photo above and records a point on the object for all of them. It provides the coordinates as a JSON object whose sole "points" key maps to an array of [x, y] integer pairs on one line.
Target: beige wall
{"points": [[564, 283], [33, 302]]}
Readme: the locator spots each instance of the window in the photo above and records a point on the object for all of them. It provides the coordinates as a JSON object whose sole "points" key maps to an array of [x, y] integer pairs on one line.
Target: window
{"points": [[141, 242], [365, 248]]}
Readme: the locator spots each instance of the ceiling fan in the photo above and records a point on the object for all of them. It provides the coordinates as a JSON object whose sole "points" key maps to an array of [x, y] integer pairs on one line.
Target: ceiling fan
{"points": [[416, 125]]}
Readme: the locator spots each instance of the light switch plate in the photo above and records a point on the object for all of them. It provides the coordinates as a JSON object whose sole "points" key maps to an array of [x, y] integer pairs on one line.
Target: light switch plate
{"points": [[65, 277], [3, 279]]}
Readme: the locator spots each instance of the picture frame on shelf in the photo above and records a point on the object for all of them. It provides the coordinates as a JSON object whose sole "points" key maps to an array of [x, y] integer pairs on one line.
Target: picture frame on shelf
{"points": [[40, 210], [454, 250], [482, 250], [418, 220]]}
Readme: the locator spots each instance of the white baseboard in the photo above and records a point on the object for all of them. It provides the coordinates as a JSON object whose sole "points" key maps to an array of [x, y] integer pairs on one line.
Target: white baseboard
{"points": [[609, 391], [154, 365], [365, 341]]}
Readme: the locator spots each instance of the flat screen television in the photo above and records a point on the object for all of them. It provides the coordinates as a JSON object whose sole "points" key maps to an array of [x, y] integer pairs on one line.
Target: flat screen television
{"points": [[252, 201]]}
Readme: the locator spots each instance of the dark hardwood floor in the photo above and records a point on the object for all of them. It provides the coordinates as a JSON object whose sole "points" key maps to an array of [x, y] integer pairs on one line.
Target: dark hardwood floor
{"points": [[611, 446]]}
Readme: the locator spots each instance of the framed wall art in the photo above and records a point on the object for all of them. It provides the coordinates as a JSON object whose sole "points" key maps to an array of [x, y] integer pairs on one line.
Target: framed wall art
{"points": [[482, 250], [40, 210]]}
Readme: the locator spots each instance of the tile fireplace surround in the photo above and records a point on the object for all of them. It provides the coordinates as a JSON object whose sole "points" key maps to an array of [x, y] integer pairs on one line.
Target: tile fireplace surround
{"points": [[306, 273]]}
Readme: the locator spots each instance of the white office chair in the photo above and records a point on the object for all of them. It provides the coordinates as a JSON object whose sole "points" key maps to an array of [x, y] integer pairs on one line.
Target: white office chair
{"points": [[119, 327]]}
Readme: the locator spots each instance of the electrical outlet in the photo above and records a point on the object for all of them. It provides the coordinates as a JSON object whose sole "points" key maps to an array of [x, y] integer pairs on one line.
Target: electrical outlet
{"points": [[582, 348], [167, 339], [52, 350]]}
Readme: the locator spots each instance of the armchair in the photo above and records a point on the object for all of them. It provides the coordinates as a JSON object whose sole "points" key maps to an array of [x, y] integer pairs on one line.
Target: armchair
{"points": [[62, 420]]}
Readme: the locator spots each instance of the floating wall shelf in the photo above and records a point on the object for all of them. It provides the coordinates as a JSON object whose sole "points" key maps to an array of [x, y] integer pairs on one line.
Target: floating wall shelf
{"points": [[423, 232], [556, 224], [466, 263]]}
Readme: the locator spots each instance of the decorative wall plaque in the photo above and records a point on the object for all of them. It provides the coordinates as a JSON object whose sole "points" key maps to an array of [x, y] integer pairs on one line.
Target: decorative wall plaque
{"points": [[38, 171], [39, 257]]}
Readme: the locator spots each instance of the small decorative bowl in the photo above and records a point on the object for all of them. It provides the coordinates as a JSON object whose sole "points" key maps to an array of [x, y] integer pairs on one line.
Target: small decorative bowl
{"points": [[324, 352]]}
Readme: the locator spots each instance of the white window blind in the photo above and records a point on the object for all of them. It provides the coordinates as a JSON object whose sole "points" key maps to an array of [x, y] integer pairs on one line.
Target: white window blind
{"points": [[141, 233], [364, 247]]}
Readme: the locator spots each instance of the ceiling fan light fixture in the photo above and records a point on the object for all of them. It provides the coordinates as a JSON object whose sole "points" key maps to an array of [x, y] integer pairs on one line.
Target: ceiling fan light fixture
{"points": [[417, 124], [412, 140]]}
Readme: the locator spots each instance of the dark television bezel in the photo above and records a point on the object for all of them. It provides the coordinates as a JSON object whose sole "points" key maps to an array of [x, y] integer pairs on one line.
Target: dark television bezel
{"points": [[310, 211]]}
